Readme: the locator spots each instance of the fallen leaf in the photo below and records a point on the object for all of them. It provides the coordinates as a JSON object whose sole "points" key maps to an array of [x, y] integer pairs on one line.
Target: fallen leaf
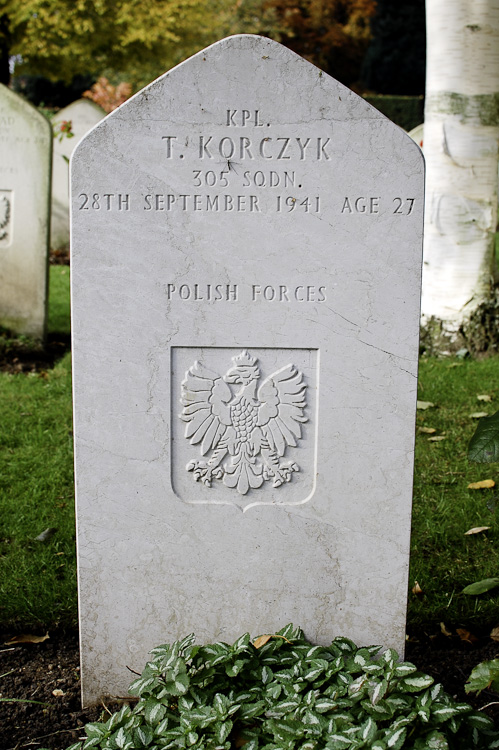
{"points": [[25, 638], [436, 439], [476, 530], [484, 397], [427, 430], [485, 484], [58, 692], [494, 634], [478, 414], [261, 640], [466, 636], [416, 589], [45, 535], [422, 405], [444, 630], [480, 587]]}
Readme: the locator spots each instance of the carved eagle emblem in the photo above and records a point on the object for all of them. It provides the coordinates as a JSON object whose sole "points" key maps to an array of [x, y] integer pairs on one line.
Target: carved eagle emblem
{"points": [[243, 432]]}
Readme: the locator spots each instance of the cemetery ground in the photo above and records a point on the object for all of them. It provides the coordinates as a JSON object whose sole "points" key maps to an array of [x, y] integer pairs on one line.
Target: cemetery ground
{"points": [[448, 632]]}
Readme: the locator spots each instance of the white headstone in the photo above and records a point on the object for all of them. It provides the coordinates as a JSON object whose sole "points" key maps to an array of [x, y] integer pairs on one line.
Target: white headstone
{"points": [[25, 155], [417, 134], [83, 115], [246, 276]]}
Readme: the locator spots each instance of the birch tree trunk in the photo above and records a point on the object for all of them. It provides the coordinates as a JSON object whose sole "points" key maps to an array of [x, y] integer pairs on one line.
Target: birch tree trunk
{"points": [[461, 135]]}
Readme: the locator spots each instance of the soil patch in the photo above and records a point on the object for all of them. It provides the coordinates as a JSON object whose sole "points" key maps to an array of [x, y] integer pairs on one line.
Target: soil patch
{"points": [[15, 357], [48, 672]]}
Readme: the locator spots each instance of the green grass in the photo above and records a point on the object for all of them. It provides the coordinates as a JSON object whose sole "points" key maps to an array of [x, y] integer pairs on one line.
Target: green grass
{"points": [[59, 310], [443, 559], [38, 579]]}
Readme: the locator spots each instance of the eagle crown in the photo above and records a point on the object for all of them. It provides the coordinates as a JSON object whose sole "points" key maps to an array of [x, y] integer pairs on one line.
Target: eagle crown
{"points": [[244, 371]]}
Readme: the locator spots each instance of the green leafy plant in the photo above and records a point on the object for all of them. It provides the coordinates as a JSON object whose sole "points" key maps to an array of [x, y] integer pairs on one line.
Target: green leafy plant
{"points": [[484, 445], [283, 693], [484, 675]]}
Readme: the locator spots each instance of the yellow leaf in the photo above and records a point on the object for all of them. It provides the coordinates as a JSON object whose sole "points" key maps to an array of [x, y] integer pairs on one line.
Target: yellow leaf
{"points": [[478, 414], [416, 589], [26, 639], [484, 397], [466, 636], [436, 439], [424, 405], [427, 430], [494, 634], [444, 630], [261, 640], [485, 484], [476, 530]]}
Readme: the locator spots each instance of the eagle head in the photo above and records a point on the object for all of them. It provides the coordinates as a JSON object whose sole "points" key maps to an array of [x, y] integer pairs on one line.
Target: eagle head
{"points": [[244, 370]]}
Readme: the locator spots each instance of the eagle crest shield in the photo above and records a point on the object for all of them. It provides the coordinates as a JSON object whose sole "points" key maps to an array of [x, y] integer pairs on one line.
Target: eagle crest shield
{"points": [[243, 428]]}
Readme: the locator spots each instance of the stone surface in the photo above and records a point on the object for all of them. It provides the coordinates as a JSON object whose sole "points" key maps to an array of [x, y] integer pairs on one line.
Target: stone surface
{"points": [[83, 115], [25, 155], [246, 277]]}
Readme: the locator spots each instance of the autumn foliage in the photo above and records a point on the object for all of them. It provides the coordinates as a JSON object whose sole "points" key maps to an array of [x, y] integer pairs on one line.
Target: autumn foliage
{"points": [[107, 96], [333, 34]]}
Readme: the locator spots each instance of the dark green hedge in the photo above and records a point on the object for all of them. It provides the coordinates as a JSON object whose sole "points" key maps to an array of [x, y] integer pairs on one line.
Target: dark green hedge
{"points": [[405, 111]]}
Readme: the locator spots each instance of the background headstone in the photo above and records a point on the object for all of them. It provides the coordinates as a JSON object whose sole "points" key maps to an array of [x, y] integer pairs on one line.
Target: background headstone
{"points": [[25, 157], [417, 134], [83, 115], [246, 276]]}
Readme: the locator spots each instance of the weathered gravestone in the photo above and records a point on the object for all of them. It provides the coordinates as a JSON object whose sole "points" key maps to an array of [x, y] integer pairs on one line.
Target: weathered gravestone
{"points": [[25, 156], [83, 115], [246, 268]]}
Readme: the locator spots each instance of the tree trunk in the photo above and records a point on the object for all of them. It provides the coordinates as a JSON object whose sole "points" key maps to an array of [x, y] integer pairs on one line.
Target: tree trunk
{"points": [[461, 135]]}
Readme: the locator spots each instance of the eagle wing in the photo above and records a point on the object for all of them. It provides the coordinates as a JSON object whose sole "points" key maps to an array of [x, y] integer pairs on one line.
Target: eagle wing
{"points": [[282, 405], [206, 412]]}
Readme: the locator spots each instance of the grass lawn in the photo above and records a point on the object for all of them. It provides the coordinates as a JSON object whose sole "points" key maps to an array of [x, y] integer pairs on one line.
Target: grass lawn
{"points": [[38, 579], [443, 559]]}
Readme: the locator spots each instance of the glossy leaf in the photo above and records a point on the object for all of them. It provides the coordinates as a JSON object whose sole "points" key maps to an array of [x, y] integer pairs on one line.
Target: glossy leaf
{"points": [[483, 675], [484, 445]]}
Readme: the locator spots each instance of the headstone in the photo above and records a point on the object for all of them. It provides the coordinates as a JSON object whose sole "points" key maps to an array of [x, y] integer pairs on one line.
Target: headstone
{"points": [[25, 155], [246, 276], [417, 134], [83, 115]]}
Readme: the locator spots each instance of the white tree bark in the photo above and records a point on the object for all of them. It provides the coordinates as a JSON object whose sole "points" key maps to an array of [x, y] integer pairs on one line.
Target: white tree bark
{"points": [[461, 134]]}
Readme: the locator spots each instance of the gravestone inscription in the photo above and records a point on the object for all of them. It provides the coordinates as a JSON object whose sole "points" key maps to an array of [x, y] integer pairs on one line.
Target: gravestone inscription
{"points": [[25, 156], [78, 118], [246, 274]]}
